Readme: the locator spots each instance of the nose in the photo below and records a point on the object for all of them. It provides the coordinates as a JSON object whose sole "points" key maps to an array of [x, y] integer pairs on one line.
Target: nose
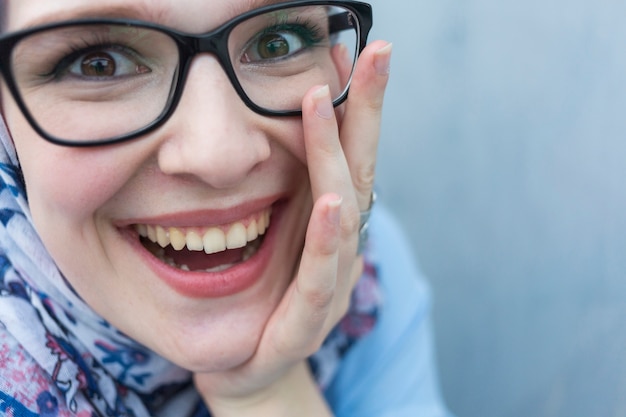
{"points": [[212, 135]]}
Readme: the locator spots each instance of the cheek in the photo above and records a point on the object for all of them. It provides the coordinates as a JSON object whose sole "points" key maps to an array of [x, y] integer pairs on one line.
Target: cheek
{"points": [[288, 135], [60, 181], [64, 185]]}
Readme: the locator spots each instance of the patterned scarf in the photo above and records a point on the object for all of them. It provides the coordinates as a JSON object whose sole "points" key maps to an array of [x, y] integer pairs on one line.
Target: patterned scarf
{"points": [[80, 359]]}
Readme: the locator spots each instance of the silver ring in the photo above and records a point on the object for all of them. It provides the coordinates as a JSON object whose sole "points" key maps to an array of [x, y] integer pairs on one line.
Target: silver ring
{"points": [[364, 224]]}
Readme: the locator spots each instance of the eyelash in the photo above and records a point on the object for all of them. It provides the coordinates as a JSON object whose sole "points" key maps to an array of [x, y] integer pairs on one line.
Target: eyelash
{"points": [[310, 32], [73, 51]]}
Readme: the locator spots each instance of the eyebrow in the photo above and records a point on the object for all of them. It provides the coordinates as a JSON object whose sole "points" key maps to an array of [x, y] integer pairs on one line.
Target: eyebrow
{"points": [[117, 11], [240, 8], [143, 11]]}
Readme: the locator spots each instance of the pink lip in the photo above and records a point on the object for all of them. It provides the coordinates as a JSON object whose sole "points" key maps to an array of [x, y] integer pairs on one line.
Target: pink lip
{"points": [[210, 284], [200, 218]]}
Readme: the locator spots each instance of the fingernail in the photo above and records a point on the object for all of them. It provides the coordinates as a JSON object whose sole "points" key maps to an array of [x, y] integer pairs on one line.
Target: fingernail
{"points": [[382, 60], [323, 104], [334, 211]]}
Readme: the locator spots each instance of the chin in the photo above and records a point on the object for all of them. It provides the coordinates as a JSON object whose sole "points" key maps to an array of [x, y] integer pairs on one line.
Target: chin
{"points": [[214, 354]]}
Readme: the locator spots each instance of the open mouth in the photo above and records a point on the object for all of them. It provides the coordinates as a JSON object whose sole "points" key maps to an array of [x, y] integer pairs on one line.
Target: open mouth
{"points": [[209, 249]]}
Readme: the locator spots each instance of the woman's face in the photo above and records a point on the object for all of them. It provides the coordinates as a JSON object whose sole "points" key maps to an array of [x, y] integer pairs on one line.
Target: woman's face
{"points": [[212, 173]]}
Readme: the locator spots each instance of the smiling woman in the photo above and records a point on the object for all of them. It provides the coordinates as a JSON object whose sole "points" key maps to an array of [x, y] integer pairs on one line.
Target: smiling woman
{"points": [[184, 207]]}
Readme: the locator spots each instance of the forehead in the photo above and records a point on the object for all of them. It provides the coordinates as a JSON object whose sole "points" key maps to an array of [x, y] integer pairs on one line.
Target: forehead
{"points": [[190, 15]]}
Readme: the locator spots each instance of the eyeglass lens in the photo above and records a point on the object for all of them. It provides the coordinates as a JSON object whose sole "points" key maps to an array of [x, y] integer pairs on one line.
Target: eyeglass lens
{"points": [[94, 82]]}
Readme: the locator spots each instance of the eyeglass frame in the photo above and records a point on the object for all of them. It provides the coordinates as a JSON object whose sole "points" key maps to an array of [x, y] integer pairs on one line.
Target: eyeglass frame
{"points": [[189, 45]]}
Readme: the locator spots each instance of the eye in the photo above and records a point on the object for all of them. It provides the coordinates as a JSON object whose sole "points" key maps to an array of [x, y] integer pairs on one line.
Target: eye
{"points": [[273, 46], [279, 43], [105, 63]]}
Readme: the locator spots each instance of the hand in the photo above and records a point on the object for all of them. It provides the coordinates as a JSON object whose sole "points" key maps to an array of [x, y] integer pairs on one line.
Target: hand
{"points": [[341, 157]]}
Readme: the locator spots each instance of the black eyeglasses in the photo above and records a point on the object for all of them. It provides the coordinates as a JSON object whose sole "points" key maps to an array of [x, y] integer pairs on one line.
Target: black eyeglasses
{"points": [[101, 81]]}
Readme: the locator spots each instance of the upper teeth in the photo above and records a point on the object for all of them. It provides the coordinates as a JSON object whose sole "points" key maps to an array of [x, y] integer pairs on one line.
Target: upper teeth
{"points": [[210, 240]]}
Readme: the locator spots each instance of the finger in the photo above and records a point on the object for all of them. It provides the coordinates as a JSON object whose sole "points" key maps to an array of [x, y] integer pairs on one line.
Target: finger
{"points": [[343, 304], [328, 168], [327, 164], [305, 315], [360, 127]]}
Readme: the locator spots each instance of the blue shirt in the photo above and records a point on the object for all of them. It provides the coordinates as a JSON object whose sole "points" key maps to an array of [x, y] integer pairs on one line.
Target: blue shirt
{"points": [[391, 372]]}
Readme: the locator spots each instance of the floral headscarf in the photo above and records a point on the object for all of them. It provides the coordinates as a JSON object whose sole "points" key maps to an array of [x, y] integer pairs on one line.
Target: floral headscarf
{"points": [[58, 356]]}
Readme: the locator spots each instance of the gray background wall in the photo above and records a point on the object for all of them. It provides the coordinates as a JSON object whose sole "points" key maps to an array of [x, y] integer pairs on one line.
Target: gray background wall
{"points": [[503, 154]]}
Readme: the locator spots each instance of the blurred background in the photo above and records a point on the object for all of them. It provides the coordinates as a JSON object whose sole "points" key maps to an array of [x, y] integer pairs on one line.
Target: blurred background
{"points": [[504, 156]]}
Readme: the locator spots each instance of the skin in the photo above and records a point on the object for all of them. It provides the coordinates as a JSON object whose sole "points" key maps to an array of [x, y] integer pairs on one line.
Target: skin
{"points": [[322, 165]]}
